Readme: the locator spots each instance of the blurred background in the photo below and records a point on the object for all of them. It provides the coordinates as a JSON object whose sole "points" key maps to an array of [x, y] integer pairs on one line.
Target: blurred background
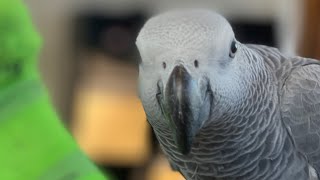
{"points": [[89, 64]]}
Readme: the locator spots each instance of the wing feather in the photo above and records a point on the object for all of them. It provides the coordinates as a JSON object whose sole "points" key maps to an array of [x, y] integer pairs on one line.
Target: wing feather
{"points": [[301, 110], [299, 92]]}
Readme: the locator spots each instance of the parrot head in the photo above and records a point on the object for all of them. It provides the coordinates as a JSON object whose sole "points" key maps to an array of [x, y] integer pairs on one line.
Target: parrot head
{"points": [[190, 72], [19, 43]]}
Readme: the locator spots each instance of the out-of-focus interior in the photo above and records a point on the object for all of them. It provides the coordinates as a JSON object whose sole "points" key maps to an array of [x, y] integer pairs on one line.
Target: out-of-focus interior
{"points": [[89, 63]]}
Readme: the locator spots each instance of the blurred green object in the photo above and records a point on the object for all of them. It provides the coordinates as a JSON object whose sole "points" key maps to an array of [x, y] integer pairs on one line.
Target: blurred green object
{"points": [[33, 141]]}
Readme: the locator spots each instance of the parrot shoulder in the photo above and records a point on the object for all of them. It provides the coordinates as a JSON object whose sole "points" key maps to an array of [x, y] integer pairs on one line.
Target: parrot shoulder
{"points": [[300, 107], [299, 96]]}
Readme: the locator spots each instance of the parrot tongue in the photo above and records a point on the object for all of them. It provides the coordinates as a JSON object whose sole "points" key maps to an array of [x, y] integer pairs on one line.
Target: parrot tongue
{"points": [[180, 112]]}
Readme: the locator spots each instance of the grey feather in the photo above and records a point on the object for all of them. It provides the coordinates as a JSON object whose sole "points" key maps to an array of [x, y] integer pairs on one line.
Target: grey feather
{"points": [[264, 119], [301, 110], [300, 100]]}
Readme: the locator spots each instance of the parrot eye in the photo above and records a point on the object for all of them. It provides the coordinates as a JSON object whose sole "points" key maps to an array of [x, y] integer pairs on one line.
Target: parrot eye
{"points": [[233, 49], [164, 65], [196, 63]]}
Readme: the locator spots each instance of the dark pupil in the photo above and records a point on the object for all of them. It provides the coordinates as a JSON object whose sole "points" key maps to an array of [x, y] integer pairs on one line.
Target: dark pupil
{"points": [[233, 47]]}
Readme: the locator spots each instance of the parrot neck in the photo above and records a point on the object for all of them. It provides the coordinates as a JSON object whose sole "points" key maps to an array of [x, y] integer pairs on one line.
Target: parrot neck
{"points": [[248, 144], [251, 140], [239, 152]]}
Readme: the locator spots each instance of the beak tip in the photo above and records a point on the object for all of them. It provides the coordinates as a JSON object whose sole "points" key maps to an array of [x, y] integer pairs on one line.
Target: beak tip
{"points": [[179, 89]]}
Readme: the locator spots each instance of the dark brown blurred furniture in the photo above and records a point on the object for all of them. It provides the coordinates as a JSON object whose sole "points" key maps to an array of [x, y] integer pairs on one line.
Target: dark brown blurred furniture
{"points": [[310, 39]]}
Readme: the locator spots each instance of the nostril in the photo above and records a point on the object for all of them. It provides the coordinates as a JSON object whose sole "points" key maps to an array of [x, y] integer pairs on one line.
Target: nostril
{"points": [[196, 63], [164, 65]]}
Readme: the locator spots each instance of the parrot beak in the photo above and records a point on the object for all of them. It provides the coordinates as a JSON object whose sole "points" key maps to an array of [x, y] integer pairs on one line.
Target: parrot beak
{"points": [[183, 107]]}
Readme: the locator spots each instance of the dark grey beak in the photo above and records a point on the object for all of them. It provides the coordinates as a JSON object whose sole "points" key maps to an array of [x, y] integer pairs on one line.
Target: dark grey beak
{"points": [[179, 90]]}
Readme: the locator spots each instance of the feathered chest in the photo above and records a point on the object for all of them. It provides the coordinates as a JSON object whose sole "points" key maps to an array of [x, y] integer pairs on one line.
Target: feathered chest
{"points": [[246, 144]]}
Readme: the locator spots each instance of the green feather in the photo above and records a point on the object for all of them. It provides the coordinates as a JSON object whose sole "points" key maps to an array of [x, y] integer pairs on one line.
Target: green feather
{"points": [[34, 143], [19, 43]]}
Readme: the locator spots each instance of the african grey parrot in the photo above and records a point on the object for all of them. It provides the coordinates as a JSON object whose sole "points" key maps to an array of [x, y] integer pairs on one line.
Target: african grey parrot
{"points": [[223, 110]]}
